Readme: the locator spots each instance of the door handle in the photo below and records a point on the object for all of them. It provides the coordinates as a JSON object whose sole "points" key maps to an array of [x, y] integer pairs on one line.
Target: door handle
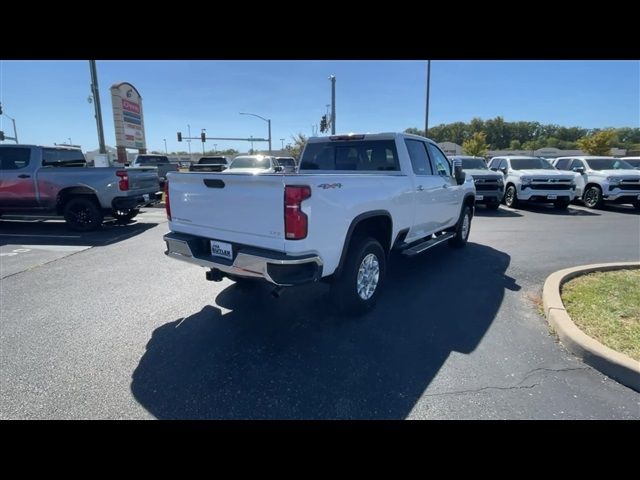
{"points": [[419, 188], [24, 175]]}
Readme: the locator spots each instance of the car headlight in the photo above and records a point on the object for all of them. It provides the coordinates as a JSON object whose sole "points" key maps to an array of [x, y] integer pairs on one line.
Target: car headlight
{"points": [[526, 181], [614, 180]]}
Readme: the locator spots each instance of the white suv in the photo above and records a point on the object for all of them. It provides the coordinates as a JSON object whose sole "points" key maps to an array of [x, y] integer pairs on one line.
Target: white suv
{"points": [[601, 179], [534, 179]]}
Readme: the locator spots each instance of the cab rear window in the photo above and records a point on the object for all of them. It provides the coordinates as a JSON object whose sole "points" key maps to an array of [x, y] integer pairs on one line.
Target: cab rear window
{"points": [[366, 156]]}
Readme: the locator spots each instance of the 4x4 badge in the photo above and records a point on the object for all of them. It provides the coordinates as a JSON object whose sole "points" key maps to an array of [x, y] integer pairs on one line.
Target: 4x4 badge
{"points": [[330, 185]]}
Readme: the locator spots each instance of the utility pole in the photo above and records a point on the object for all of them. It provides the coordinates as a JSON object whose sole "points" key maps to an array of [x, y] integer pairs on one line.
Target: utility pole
{"points": [[282, 143], [95, 91], [426, 120], [189, 140], [333, 104], [165, 145]]}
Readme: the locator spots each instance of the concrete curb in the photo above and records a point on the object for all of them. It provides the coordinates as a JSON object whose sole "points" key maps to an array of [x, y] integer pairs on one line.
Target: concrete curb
{"points": [[614, 364]]}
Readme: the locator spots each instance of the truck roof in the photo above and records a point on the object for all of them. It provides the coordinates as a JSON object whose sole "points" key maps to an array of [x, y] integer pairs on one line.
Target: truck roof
{"points": [[366, 136]]}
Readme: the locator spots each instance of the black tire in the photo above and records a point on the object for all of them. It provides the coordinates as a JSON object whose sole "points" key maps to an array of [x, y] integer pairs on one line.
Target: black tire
{"points": [[462, 233], [592, 197], [344, 289], [561, 204], [511, 197], [125, 215], [82, 214], [493, 206]]}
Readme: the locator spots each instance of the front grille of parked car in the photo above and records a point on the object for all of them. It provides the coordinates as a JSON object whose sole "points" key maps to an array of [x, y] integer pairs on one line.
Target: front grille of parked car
{"points": [[626, 186], [548, 186], [487, 186]]}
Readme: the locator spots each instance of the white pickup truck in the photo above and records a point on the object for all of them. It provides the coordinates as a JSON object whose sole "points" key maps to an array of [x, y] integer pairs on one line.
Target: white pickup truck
{"points": [[354, 199]]}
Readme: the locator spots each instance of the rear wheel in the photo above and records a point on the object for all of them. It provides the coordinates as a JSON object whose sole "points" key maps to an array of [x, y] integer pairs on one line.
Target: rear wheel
{"points": [[592, 197], [356, 289], [82, 214], [511, 197]]}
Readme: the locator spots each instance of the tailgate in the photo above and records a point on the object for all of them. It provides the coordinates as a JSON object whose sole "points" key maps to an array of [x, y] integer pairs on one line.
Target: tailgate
{"points": [[244, 209], [143, 178]]}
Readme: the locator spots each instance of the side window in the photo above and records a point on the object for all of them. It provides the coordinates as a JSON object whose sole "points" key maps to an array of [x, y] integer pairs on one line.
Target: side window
{"points": [[576, 163], [440, 163], [502, 164], [563, 164], [419, 158], [14, 158]]}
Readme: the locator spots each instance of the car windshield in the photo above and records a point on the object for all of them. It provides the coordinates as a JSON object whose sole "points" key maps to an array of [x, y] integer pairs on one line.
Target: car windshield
{"points": [[212, 161], [531, 163], [151, 161], [634, 162], [473, 163], [251, 162], [287, 162], [608, 164]]}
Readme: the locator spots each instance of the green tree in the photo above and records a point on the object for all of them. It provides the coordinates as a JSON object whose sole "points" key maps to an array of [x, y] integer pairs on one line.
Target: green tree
{"points": [[299, 141], [476, 145], [598, 143], [515, 145]]}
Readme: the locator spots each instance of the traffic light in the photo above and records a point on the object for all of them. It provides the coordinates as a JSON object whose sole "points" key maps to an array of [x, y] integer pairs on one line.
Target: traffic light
{"points": [[323, 124], [203, 137], [179, 136], [1, 136]]}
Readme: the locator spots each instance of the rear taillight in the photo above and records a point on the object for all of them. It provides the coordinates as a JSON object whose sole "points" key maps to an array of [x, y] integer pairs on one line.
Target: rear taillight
{"points": [[124, 180], [167, 205], [295, 220]]}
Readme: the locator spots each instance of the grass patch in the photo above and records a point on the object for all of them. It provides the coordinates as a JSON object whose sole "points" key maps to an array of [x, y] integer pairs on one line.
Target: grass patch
{"points": [[606, 306]]}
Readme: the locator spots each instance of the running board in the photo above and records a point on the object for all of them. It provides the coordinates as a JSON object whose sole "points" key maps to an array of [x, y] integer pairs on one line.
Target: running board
{"points": [[421, 247]]}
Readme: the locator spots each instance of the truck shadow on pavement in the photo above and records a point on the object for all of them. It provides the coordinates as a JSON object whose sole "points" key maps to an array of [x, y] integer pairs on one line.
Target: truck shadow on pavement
{"points": [[293, 358], [47, 232]]}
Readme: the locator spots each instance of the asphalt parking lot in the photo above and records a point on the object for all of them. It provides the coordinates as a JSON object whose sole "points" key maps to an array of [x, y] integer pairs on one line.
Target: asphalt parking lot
{"points": [[105, 326]]}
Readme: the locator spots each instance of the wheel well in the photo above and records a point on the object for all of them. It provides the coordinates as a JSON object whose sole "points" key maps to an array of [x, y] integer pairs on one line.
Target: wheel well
{"points": [[510, 184], [67, 194], [589, 185], [377, 225]]}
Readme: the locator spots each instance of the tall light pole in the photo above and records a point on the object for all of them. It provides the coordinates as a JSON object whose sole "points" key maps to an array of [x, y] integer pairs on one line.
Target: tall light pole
{"points": [[333, 104], [95, 91], [165, 145], [201, 132], [282, 144], [426, 120], [266, 120], [189, 140]]}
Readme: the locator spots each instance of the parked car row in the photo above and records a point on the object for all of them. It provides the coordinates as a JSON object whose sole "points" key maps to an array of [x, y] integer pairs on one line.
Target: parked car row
{"points": [[590, 179]]}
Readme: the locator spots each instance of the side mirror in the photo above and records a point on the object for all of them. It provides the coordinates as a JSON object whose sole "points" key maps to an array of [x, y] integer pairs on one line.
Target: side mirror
{"points": [[458, 173], [278, 168], [578, 169], [503, 170]]}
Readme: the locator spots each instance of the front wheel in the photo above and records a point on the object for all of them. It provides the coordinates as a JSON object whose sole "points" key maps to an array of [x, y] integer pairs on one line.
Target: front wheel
{"points": [[463, 227], [357, 288], [592, 197], [511, 197]]}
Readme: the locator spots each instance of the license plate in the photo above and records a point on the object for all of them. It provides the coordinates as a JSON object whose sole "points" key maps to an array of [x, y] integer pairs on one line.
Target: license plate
{"points": [[146, 197], [479, 197], [552, 197], [221, 249]]}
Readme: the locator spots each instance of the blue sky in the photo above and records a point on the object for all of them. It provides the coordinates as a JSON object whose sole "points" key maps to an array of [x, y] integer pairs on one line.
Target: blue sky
{"points": [[48, 99]]}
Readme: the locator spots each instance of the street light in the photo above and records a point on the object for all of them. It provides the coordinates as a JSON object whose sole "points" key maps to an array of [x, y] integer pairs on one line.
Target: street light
{"points": [[165, 145], [266, 120]]}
